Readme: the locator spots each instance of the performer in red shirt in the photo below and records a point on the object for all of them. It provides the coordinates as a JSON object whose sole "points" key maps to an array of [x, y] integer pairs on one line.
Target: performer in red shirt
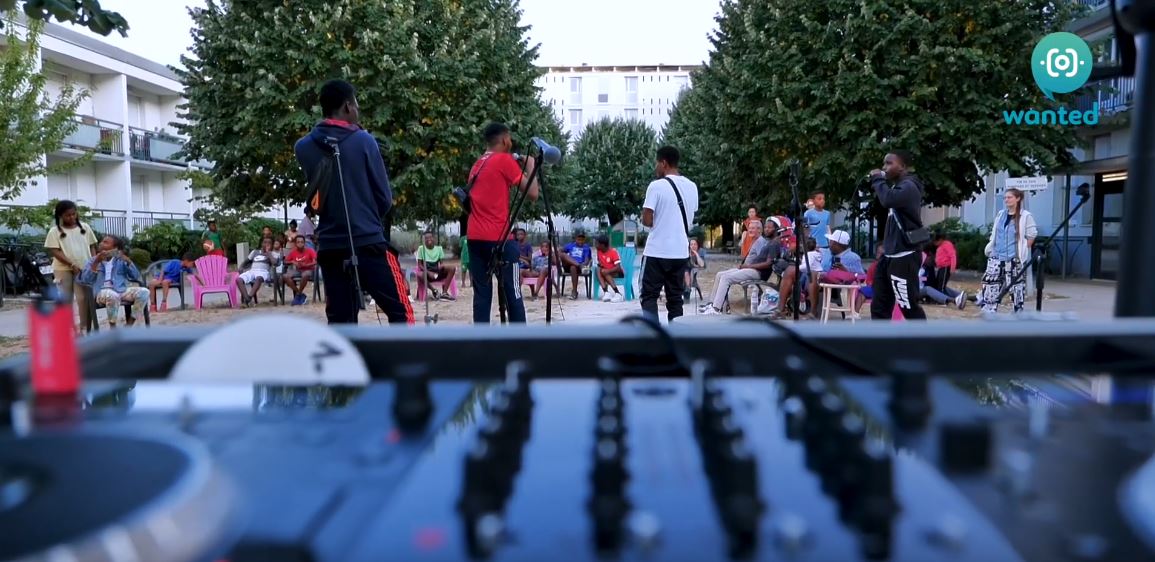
{"points": [[492, 176]]}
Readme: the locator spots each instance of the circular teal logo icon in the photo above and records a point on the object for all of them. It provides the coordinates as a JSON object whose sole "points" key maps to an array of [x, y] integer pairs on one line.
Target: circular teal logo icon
{"points": [[1061, 63]]}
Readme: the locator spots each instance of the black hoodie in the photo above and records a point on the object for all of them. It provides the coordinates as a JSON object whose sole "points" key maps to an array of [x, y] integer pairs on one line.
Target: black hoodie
{"points": [[905, 197], [366, 184]]}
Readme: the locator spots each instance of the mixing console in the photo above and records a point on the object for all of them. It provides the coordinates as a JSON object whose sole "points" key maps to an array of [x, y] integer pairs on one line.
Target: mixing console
{"points": [[663, 451]]}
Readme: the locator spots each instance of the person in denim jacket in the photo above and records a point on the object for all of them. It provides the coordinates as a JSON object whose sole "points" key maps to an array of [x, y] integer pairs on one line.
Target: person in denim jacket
{"points": [[108, 273]]}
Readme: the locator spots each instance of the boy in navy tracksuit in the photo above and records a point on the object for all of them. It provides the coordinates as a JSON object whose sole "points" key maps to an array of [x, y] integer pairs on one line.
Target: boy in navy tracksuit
{"points": [[369, 199]]}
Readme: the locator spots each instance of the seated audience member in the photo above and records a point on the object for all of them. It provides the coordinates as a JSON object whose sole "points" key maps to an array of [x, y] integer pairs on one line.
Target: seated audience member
{"points": [[169, 275], [926, 291], [751, 236], [291, 233], [812, 266], [945, 260], [267, 232], [108, 273], [759, 263], [429, 263], [574, 257], [609, 269], [866, 291], [844, 267], [524, 250], [540, 268], [696, 264], [260, 270], [304, 262]]}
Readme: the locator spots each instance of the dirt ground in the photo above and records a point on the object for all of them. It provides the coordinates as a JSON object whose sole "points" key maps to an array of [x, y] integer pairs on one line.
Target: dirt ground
{"points": [[455, 312]]}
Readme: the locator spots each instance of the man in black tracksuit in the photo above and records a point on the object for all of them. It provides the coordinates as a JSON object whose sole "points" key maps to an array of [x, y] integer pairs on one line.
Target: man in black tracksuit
{"points": [[370, 197], [896, 277]]}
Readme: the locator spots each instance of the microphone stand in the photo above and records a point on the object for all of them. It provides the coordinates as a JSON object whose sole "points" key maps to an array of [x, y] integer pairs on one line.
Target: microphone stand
{"points": [[799, 233], [497, 260]]}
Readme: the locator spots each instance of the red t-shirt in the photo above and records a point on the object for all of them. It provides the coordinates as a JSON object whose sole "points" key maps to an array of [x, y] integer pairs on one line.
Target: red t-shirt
{"points": [[305, 260], [608, 258], [490, 195]]}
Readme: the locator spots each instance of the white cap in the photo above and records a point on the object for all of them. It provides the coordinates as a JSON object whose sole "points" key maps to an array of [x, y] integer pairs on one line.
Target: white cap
{"points": [[840, 236]]}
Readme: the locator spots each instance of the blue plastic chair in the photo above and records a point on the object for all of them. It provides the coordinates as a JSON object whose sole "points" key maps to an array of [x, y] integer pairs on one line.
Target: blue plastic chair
{"points": [[627, 254]]}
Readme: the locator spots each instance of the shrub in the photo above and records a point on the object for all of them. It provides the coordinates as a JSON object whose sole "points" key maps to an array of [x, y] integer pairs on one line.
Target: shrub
{"points": [[168, 240], [406, 241], [970, 242], [141, 258]]}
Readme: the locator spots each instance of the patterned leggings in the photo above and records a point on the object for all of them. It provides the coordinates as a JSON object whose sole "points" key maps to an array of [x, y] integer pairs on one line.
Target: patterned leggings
{"points": [[998, 275], [113, 301]]}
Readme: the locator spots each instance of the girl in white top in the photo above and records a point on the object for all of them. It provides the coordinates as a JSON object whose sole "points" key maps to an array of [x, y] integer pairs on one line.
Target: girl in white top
{"points": [[72, 243], [813, 263]]}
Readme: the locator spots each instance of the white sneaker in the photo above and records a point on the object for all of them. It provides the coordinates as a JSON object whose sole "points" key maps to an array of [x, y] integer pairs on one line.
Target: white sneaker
{"points": [[606, 296], [617, 298], [961, 300], [710, 310]]}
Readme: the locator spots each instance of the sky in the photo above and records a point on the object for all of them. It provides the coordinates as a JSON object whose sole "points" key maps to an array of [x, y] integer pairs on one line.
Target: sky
{"points": [[601, 32]]}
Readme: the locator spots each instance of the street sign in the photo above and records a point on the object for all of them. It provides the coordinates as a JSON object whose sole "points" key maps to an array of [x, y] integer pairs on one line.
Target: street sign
{"points": [[1027, 184]]}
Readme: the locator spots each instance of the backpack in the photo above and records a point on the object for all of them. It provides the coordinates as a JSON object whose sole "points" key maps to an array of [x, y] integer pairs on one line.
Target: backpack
{"points": [[317, 191]]}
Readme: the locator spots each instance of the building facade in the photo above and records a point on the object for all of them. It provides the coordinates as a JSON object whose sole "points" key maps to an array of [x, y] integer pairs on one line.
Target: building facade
{"points": [[132, 180], [584, 94], [1089, 248]]}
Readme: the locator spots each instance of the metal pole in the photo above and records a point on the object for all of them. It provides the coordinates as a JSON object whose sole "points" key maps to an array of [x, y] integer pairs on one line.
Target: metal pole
{"points": [[1134, 297], [1066, 228]]}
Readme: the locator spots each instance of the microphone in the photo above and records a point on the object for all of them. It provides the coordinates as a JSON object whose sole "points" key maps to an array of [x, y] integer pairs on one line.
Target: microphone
{"points": [[549, 153]]}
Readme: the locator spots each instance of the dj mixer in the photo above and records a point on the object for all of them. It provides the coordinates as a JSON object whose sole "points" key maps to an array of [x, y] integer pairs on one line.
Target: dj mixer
{"points": [[732, 441]]}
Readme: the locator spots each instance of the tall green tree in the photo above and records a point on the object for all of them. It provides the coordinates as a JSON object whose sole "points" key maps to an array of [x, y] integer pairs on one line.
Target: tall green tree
{"points": [[87, 13], [613, 161], [32, 122], [430, 75], [837, 83]]}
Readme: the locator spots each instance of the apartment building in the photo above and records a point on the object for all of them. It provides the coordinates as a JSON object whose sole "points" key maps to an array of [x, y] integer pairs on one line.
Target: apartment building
{"points": [[132, 181], [583, 94], [1090, 247]]}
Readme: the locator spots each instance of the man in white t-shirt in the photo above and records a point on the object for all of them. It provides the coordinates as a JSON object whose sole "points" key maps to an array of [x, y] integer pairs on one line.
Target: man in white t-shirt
{"points": [[671, 202]]}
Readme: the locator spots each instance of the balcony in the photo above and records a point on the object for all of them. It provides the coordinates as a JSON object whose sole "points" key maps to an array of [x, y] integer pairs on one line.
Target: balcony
{"points": [[1113, 96], [151, 146], [112, 221], [1095, 4], [94, 134]]}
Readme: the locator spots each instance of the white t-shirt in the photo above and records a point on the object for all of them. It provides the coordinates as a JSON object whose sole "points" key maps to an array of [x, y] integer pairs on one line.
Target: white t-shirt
{"points": [[668, 238], [813, 262]]}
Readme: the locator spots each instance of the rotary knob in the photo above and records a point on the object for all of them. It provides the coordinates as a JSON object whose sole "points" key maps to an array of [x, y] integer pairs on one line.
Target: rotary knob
{"points": [[412, 405], [910, 395]]}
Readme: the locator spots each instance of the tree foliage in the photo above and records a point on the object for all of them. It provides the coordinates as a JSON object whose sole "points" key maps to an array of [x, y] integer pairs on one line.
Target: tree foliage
{"points": [[429, 74], [38, 218], [87, 13], [837, 83], [32, 123], [614, 162]]}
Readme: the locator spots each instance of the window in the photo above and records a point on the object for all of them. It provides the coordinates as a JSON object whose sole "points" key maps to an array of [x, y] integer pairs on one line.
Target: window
{"points": [[575, 90], [604, 90], [575, 118], [632, 113], [632, 89]]}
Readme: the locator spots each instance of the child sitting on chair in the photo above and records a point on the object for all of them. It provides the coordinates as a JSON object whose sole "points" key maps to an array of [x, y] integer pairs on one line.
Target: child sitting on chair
{"points": [[169, 275], [260, 263], [108, 273], [609, 269]]}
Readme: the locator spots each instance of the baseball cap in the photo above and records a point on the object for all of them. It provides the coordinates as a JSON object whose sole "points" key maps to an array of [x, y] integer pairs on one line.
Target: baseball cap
{"points": [[840, 236]]}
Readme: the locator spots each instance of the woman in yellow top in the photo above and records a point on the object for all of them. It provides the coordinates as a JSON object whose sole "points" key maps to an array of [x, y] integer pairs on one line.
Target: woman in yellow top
{"points": [[71, 244]]}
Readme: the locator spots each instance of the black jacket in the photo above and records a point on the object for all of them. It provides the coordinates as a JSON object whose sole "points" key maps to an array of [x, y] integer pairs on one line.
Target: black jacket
{"points": [[366, 184], [905, 197]]}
